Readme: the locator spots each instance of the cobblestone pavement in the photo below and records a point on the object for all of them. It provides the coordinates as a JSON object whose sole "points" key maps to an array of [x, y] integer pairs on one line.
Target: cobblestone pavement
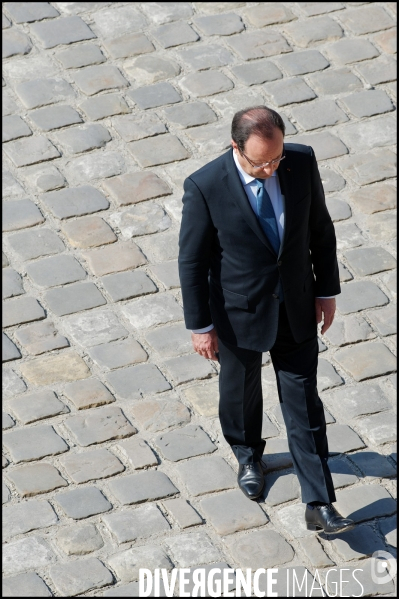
{"points": [[113, 454]]}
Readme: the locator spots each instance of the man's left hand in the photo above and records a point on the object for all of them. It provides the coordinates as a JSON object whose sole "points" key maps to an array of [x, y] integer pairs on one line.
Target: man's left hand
{"points": [[325, 310]]}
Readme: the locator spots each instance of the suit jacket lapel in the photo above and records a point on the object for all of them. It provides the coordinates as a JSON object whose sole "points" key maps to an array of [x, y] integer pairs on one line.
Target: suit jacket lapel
{"points": [[232, 179]]}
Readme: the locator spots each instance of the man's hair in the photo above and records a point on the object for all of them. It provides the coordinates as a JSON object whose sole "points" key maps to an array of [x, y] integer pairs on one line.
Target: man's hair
{"points": [[256, 120]]}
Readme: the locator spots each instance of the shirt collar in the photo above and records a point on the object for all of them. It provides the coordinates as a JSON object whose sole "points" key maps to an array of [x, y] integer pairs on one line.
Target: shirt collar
{"points": [[245, 177]]}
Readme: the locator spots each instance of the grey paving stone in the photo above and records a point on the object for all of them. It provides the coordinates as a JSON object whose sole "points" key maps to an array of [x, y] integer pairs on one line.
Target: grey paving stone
{"points": [[356, 401], [317, 8], [292, 520], [164, 246], [232, 512], [258, 44], [145, 70], [204, 398], [314, 551], [368, 261], [209, 474], [155, 95], [324, 144], [256, 72], [37, 406], [349, 50], [319, 29], [19, 214], [273, 13], [289, 91], [126, 564], [10, 186], [79, 539], [114, 257], [15, 42], [319, 114], [364, 543], [280, 488], [374, 198], [4, 260], [379, 71], [359, 296], [348, 235], [93, 328], [56, 270], [29, 68], [368, 103], [33, 443], [189, 115], [342, 473], [118, 353], [185, 442], [150, 311], [132, 188], [41, 337], [83, 138], [390, 281], [134, 127], [134, 381], [33, 479], [99, 426], [115, 22], [138, 453], [300, 63], [158, 415], [372, 465], [5, 22], [20, 310], [223, 24], [45, 177], [366, 360], [9, 104], [167, 273], [39, 92], [24, 585], [94, 79], [66, 30], [381, 226], [338, 209], [7, 421], [122, 286], [174, 34], [80, 56], [187, 368], [336, 81], [159, 150], [212, 8], [31, 151], [82, 503], [211, 139], [327, 376], [350, 329], [103, 106], [206, 83], [95, 165], [80, 576], [27, 553], [145, 486], [268, 428], [54, 117], [193, 548], [384, 320], [341, 438], [11, 383], [365, 502], [14, 127], [28, 12], [12, 283], [88, 393], [170, 341], [131, 44], [182, 512], [74, 298], [366, 19], [47, 370], [166, 12], [388, 529], [75, 201], [378, 428], [91, 465], [89, 231], [386, 40], [201, 56], [260, 549], [141, 522]]}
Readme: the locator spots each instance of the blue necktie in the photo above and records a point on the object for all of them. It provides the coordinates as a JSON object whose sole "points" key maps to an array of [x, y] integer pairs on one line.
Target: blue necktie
{"points": [[266, 215]]}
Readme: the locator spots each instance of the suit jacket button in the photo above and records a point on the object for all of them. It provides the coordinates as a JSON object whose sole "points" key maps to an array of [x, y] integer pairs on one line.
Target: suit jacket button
{"points": [[275, 295], [279, 263]]}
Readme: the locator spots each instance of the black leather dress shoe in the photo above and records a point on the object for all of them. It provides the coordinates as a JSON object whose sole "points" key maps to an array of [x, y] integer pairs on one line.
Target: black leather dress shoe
{"points": [[250, 479], [327, 519]]}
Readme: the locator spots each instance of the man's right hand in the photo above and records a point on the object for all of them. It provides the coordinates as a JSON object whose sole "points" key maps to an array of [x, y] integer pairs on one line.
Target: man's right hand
{"points": [[206, 344]]}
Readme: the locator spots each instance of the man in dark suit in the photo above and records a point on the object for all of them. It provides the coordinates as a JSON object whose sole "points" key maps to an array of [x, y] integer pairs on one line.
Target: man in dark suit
{"points": [[258, 271]]}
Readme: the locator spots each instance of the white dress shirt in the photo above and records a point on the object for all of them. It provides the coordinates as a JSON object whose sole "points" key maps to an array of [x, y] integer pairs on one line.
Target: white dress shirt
{"points": [[272, 186]]}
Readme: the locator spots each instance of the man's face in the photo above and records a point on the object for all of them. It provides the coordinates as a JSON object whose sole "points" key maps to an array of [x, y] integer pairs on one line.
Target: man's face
{"points": [[258, 151]]}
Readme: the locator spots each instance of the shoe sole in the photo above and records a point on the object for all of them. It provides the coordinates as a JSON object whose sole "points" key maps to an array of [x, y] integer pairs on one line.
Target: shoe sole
{"points": [[316, 528]]}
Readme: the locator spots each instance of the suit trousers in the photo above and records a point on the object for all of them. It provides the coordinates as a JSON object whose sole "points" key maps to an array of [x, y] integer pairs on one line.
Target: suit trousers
{"points": [[241, 407]]}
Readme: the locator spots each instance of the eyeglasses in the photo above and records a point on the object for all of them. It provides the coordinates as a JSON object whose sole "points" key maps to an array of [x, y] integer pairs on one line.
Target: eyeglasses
{"points": [[273, 162]]}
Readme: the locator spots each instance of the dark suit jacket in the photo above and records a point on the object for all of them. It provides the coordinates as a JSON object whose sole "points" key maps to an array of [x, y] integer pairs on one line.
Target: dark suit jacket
{"points": [[229, 272]]}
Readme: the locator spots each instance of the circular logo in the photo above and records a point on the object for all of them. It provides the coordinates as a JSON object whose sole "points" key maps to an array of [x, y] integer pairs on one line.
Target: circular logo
{"points": [[383, 567]]}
